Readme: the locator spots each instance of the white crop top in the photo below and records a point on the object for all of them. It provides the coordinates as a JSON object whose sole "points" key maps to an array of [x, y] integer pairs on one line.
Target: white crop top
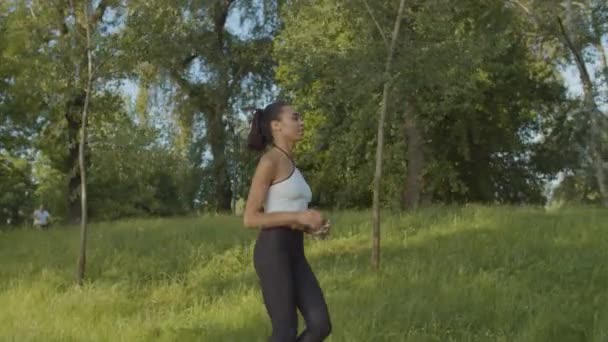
{"points": [[290, 194]]}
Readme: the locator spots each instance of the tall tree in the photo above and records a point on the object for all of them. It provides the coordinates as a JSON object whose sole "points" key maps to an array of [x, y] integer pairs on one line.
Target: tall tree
{"points": [[83, 142], [49, 56], [213, 67], [464, 109], [577, 28], [390, 53]]}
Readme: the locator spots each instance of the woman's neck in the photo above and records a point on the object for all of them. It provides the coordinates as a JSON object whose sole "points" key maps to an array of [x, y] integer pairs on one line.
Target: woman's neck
{"points": [[285, 146]]}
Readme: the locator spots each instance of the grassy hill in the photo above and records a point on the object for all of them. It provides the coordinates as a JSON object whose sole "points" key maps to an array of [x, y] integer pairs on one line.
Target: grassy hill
{"points": [[448, 274]]}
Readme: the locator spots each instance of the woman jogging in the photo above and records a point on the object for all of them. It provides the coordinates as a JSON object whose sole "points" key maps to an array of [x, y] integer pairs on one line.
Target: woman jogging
{"points": [[277, 204]]}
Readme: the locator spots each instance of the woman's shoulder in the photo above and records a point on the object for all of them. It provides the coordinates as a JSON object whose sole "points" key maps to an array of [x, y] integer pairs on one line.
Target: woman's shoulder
{"points": [[271, 156], [268, 160]]}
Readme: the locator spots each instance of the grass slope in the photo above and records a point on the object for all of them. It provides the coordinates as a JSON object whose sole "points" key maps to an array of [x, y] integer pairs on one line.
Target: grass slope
{"points": [[448, 274]]}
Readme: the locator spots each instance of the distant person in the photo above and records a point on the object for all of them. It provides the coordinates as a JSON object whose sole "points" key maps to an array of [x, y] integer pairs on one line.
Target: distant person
{"points": [[42, 218], [277, 204]]}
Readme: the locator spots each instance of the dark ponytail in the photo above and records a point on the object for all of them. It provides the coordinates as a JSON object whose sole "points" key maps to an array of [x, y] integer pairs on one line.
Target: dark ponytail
{"points": [[260, 134], [256, 140]]}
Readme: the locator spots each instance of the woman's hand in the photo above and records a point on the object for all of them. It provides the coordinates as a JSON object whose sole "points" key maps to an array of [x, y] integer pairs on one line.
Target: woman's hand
{"points": [[311, 219], [308, 222], [323, 232]]}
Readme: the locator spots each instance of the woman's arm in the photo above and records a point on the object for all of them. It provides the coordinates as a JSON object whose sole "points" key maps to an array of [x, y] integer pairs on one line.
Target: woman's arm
{"points": [[254, 217]]}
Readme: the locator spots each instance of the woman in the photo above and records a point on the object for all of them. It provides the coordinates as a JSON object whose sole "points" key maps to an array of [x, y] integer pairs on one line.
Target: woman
{"points": [[278, 205]]}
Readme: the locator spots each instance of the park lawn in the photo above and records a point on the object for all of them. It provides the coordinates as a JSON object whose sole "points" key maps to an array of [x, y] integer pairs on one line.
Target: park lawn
{"points": [[470, 273]]}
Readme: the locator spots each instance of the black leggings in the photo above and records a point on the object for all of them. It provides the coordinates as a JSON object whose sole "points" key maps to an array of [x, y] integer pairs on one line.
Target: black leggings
{"points": [[288, 283]]}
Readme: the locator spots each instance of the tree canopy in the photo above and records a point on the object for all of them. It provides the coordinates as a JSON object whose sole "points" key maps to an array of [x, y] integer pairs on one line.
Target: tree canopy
{"points": [[479, 108]]}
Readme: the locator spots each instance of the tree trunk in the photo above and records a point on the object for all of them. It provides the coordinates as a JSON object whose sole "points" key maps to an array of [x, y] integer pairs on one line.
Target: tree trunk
{"points": [[594, 114], [217, 132], [217, 140], [415, 163], [74, 110], [73, 114], [600, 48], [426, 198], [81, 161], [380, 141], [603, 59]]}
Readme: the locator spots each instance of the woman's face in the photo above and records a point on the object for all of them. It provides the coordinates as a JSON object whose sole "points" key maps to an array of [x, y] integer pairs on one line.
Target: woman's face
{"points": [[290, 125]]}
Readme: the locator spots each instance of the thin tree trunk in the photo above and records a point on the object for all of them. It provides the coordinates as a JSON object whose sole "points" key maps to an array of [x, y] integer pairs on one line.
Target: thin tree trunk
{"points": [[217, 140], [218, 134], [73, 115], [71, 164], [594, 113], [380, 142], [83, 139], [597, 31], [74, 109], [603, 59], [415, 163]]}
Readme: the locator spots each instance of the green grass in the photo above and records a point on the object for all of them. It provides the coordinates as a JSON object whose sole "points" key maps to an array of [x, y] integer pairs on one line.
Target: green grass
{"points": [[448, 274]]}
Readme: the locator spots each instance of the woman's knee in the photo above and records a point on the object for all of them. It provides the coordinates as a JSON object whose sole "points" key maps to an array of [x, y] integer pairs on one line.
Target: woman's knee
{"points": [[320, 327], [284, 333]]}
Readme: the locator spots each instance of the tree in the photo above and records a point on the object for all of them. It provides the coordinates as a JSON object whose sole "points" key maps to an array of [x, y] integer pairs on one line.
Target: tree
{"points": [[468, 96], [48, 57], [380, 140], [214, 70], [16, 190], [576, 28], [596, 153], [81, 156]]}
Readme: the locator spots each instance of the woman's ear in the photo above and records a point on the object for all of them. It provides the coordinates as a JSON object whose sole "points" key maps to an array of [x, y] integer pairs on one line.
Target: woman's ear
{"points": [[275, 125]]}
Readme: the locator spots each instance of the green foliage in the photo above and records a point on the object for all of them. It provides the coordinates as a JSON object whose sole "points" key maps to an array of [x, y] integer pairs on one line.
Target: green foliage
{"points": [[478, 78], [130, 171], [462, 71], [578, 134], [51, 188], [16, 190], [576, 190], [132, 174], [215, 72], [46, 53]]}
